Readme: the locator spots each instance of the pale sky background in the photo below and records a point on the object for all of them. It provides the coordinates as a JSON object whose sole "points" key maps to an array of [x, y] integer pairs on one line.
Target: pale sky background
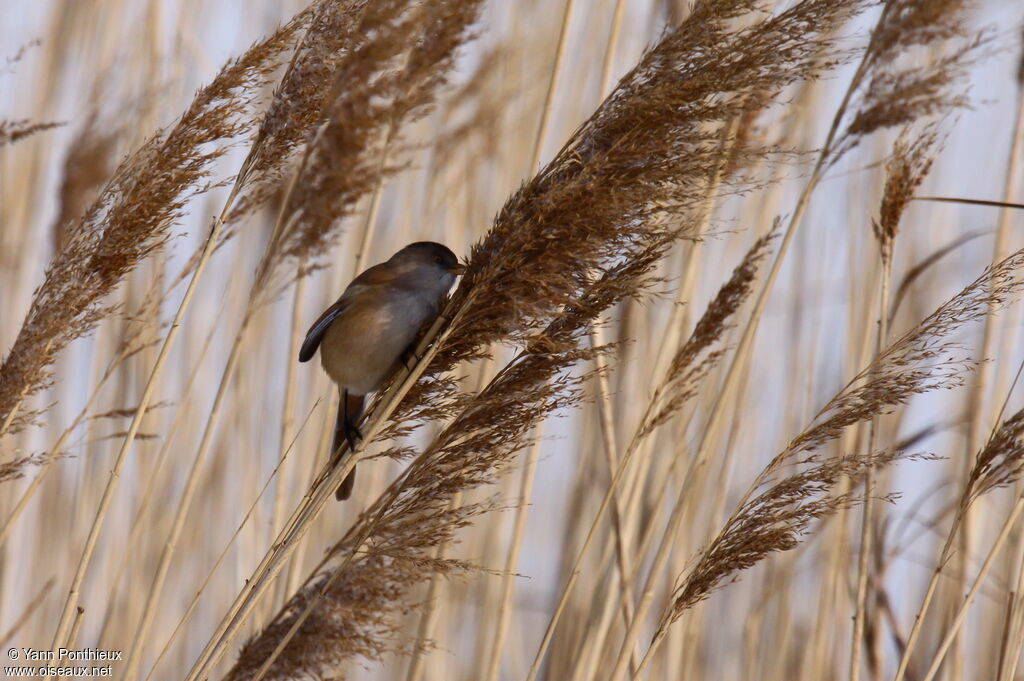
{"points": [[971, 165]]}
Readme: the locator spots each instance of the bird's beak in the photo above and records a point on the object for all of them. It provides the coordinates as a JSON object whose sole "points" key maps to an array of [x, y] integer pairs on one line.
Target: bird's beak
{"points": [[457, 269]]}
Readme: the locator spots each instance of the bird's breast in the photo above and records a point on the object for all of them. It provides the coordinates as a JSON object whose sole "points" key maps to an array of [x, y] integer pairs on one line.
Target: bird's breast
{"points": [[363, 345]]}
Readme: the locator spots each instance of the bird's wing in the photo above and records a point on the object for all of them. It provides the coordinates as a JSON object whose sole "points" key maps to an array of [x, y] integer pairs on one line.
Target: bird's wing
{"points": [[319, 328], [377, 275]]}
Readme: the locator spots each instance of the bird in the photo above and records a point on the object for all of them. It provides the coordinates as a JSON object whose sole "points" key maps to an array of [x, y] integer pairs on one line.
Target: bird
{"points": [[364, 335]]}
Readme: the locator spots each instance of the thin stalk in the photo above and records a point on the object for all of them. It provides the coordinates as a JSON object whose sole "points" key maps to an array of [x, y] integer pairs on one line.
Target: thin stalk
{"points": [[32, 606], [691, 623], [13, 412], [644, 547], [317, 496], [728, 458], [933, 584], [867, 517], [428, 621], [1009, 653], [961, 613], [970, 202], [148, 494], [670, 343], [184, 504], [224, 552], [304, 615], [133, 429], [947, 549], [743, 347], [9, 419], [535, 156], [632, 493], [1001, 245], [512, 560], [626, 573], [634, 446], [980, 385], [597, 340], [76, 627], [263, 277], [556, 71], [271, 564], [577, 564], [287, 407], [172, 333], [839, 552], [370, 225], [608, 433], [656, 640], [56, 448], [592, 646], [295, 576], [609, 52]]}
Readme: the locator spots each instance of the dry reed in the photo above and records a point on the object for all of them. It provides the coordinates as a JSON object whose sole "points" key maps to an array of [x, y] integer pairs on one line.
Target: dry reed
{"points": [[131, 219], [661, 541], [577, 238], [13, 131]]}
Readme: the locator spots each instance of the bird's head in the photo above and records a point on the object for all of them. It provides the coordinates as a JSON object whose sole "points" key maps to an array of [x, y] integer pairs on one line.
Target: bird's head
{"points": [[431, 263]]}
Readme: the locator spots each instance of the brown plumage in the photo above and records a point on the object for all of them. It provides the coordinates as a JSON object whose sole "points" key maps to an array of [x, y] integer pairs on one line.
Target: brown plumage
{"points": [[365, 333]]}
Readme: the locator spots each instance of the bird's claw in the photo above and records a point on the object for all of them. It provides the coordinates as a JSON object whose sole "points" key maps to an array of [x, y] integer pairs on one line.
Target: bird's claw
{"points": [[409, 359], [352, 435]]}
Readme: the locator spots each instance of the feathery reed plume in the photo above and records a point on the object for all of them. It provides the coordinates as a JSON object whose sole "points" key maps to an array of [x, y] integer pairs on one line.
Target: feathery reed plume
{"points": [[483, 107], [833, 148], [776, 520], [400, 56], [13, 131], [604, 562], [15, 468], [689, 367], [579, 236], [1000, 462], [642, 157], [692, 361], [352, 608], [889, 93], [906, 169], [298, 102], [925, 358], [368, 94], [132, 218], [871, 99], [132, 341]]}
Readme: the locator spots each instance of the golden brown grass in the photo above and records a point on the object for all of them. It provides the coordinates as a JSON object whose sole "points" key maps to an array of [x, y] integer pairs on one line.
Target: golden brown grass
{"points": [[724, 190]]}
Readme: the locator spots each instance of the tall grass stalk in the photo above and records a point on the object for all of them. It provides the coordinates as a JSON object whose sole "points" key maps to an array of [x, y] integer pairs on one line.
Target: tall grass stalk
{"points": [[589, 470]]}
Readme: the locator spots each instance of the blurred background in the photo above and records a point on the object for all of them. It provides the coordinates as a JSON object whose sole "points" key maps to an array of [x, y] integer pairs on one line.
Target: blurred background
{"points": [[113, 71]]}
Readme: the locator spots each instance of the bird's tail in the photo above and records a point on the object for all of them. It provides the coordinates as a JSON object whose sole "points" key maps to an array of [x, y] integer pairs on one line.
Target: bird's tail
{"points": [[350, 408]]}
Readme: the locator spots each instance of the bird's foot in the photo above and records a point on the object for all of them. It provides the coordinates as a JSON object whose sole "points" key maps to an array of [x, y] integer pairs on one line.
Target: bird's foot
{"points": [[352, 435], [409, 359]]}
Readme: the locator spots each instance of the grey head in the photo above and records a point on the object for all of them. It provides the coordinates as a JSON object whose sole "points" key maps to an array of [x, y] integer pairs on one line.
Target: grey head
{"points": [[429, 265]]}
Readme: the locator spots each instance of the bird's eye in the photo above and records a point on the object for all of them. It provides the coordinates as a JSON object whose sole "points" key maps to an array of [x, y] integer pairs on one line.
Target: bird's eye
{"points": [[439, 260]]}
